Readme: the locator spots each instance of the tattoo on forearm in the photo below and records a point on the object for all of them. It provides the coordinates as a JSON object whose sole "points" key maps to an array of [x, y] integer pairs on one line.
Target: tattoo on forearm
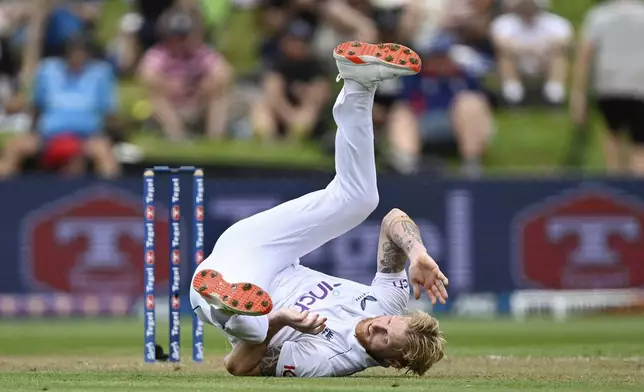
{"points": [[411, 234], [268, 364], [392, 258], [398, 237]]}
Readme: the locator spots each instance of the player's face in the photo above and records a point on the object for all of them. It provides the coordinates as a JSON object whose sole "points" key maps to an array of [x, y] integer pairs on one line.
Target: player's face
{"points": [[383, 337]]}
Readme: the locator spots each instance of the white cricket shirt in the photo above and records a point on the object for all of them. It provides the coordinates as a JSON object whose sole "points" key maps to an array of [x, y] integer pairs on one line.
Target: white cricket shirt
{"points": [[336, 351]]}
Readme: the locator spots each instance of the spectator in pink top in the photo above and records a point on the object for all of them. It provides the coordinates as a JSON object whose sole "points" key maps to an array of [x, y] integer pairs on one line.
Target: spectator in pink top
{"points": [[188, 82]]}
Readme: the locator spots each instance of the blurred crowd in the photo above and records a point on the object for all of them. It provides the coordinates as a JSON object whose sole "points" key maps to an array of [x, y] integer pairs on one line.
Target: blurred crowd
{"points": [[479, 56]]}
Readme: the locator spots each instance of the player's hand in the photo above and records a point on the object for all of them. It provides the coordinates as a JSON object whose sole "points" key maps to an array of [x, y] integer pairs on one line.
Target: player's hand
{"points": [[304, 322], [425, 273]]}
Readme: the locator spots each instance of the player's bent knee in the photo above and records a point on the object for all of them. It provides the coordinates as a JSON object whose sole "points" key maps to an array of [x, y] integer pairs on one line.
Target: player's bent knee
{"points": [[362, 206], [360, 197], [372, 201]]}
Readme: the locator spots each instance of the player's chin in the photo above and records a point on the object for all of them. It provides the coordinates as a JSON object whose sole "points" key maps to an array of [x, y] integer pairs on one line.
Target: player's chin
{"points": [[363, 332]]}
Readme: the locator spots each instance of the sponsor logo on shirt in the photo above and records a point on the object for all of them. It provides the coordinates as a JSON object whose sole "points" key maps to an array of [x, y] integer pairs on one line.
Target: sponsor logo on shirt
{"points": [[321, 291], [327, 334], [289, 371], [363, 301]]}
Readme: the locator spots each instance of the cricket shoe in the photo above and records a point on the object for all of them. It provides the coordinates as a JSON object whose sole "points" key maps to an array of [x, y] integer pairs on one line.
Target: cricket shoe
{"points": [[232, 298], [369, 64]]}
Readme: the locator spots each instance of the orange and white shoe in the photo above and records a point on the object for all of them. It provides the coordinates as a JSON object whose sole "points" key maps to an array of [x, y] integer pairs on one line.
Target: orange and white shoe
{"points": [[369, 64], [232, 298]]}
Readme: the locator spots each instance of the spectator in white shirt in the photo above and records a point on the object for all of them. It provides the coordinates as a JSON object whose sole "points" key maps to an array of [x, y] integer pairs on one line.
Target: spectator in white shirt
{"points": [[532, 44], [610, 65]]}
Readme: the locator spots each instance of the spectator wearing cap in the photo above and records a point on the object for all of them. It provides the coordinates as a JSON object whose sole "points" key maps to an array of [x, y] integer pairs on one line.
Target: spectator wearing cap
{"points": [[188, 83], [49, 23], [276, 15], [470, 20], [138, 29], [138, 32], [73, 99], [333, 21], [611, 46], [532, 46], [396, 21], [295, 89], [442, 106]]}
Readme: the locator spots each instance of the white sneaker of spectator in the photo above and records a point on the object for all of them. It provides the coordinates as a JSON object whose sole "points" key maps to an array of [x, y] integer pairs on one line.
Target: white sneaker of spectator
{"points": [[513, 91], [554, 92]]}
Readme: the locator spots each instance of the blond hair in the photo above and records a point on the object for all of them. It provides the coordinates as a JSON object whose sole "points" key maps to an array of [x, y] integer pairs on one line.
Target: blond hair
{"points": [[425, 343]]}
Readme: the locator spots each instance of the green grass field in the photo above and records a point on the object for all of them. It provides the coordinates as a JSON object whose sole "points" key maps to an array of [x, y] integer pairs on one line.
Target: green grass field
{"points": [[587, 354]]}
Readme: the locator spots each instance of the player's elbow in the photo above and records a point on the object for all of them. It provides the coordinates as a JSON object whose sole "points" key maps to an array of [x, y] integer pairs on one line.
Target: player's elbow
{"points": [[391, 215], [236, 368]]}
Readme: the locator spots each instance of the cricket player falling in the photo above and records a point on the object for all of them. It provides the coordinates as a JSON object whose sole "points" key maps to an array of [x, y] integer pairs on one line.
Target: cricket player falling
{"points": [[284, 319]]}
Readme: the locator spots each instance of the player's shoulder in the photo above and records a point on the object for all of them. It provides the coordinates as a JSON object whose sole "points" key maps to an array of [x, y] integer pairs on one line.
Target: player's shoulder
{"points": [[390, 281], [392, 291]]}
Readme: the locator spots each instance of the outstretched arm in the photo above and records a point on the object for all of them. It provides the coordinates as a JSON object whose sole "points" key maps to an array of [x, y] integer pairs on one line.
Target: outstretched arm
{"points": [[400, 240]]}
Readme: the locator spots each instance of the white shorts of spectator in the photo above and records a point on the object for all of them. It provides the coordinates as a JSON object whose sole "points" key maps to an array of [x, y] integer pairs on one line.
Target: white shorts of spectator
{"points": [[533, 44]]}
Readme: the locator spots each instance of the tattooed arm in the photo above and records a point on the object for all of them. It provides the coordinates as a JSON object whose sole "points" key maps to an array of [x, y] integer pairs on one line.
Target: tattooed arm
{"points": [[268, 364], [399, 240]]}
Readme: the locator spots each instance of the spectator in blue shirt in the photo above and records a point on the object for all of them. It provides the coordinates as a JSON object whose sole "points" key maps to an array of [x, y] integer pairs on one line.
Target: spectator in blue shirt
{"points": [[49, 25], [73, 97], [442, 105]]}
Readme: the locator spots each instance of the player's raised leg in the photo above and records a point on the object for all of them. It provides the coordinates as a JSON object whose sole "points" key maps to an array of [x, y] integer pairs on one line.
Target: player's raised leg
{"points": [[254, 250]]}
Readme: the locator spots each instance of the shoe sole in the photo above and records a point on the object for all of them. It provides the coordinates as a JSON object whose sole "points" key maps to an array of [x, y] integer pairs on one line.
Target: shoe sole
{"points": [[237, 298], [391, 55]]}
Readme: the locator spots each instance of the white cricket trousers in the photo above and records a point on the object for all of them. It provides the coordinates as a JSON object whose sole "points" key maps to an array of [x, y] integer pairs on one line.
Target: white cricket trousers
{"points": [[257, 248]]}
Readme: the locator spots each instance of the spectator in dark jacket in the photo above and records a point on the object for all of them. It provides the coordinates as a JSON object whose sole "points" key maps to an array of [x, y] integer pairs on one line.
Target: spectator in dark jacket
{"points": [[442, 104]]}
